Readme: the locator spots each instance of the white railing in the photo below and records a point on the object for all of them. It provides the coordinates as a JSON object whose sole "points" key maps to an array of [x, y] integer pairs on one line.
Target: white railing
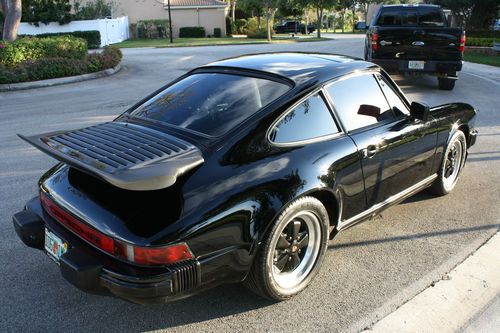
{"points": [[112, 30]]}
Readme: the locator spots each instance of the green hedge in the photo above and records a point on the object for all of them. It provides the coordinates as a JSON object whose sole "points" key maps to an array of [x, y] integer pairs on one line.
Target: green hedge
{"points": [[93, 37], [197, 32], [483, 33], [476, 41], [31, 49], [258, 34], [49, 68]]}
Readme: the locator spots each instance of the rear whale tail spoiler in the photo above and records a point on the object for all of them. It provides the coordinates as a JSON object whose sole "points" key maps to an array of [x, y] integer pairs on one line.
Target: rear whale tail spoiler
{"points": [[128, 156]]}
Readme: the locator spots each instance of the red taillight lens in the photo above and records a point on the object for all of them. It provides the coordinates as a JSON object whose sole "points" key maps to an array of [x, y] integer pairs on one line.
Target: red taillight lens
{"points": [[91, 235], [374, 42], [462, 43], [135, 254], [153, 255]]}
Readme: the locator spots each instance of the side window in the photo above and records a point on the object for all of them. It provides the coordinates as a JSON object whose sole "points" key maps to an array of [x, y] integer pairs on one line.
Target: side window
{"points": [[308, 120], [398, 106], [359, 102]]}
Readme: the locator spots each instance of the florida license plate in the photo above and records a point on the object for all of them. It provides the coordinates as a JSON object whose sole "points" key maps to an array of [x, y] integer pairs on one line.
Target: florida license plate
{"points": [[54, 245], [412, 64]]}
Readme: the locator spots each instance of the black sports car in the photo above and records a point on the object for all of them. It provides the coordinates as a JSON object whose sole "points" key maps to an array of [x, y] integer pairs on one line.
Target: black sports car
{"points": [[240, 170]]}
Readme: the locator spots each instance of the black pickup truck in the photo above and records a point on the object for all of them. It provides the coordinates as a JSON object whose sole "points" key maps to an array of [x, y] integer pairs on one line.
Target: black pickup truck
{"points": [[416, 39]]}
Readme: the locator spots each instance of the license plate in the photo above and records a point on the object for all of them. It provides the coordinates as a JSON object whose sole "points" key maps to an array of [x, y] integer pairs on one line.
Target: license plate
{"points": [[416, 64], [54, 245]]}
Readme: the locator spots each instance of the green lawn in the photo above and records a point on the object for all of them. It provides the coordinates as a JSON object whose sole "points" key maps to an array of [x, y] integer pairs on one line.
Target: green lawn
{"points": [[179, 42], [491, 60]]}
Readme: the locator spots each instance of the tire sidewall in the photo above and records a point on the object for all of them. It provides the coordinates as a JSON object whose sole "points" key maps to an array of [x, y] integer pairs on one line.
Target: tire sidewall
{"points": [[302, 204], [458, 135]]}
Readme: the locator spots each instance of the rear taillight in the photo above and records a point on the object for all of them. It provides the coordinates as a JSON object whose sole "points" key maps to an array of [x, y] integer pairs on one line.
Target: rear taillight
{"points": [[374, 41], [91, 235], [153, 255], [164, 255], [462, 43]]}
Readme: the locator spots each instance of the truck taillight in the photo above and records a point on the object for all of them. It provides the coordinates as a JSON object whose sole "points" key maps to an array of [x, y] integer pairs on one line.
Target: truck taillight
{"points": [[150, 256], [374, 41], [462, 43]]}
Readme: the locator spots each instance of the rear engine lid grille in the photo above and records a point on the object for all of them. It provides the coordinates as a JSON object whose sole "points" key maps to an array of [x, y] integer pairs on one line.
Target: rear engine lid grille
{"points": [[126, 155]]}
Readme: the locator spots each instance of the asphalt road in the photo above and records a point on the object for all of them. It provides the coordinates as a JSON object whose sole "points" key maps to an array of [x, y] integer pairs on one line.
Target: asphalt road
{"points": [[369, 270]]}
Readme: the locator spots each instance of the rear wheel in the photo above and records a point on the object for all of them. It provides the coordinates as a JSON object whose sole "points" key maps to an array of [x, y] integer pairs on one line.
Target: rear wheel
{"points": [[291, 254], [446, 83], [452, 164]]}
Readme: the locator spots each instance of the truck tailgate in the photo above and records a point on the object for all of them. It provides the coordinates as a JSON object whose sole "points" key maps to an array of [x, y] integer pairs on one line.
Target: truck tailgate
{"points": [[408, 43]]}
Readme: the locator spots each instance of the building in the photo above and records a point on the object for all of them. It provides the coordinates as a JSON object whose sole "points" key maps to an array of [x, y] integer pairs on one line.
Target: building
{"points": [[209, 14]]}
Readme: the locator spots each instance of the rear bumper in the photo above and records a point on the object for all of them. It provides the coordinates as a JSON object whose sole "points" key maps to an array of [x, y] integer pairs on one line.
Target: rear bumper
{"points": [[85, 268], [438, 67], [472, 138]]}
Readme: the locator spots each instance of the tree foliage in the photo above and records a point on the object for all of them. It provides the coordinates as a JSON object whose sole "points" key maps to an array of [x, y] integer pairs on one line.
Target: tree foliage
{"points": [[473, 14], [45, 11]]}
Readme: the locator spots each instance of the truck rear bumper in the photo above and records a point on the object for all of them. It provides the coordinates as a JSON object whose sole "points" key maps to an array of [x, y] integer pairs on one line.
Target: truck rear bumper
{"points": [[432, 67]]}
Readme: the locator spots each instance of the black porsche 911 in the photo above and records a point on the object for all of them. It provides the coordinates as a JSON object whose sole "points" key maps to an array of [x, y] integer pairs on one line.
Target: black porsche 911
{"points": [[240, 170]]}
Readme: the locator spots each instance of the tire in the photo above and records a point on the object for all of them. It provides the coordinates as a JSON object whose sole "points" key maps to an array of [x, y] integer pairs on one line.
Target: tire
{"points": [[445, 83], [451, 165], [282, 269]]}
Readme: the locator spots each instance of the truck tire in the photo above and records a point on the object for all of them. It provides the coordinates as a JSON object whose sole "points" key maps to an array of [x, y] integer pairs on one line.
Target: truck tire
{"points": [[446, 84]]}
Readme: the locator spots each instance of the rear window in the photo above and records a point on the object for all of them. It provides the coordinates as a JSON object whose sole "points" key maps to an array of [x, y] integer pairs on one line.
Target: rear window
{"points": [[411, 17], [211, 103]]}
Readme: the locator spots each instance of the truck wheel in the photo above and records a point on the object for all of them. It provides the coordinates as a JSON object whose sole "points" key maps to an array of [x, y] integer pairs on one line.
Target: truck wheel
{"points": [[446, 84]]}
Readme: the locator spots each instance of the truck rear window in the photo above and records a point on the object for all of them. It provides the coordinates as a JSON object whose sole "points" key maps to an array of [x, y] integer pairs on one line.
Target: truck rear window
{"points": [[211, 103], [430, 17]]}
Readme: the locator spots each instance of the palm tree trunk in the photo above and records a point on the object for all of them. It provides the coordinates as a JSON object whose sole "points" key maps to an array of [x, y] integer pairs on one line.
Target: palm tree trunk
{"points": [[12, 11]]}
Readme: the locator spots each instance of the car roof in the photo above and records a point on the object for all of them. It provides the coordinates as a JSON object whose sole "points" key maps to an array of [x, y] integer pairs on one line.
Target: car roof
{"points": [[296, 66]]}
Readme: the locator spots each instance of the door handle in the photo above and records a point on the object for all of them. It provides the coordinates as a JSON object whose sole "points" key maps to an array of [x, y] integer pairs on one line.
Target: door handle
{"points": [[370, 151]]}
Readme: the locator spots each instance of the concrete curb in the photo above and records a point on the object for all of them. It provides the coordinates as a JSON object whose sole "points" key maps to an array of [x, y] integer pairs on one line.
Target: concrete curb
{"points": [[452, 302], [59, 81]]}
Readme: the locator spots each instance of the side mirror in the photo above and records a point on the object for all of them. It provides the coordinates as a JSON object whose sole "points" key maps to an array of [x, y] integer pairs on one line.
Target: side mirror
{"points": [[419, 111], [369, 110]]}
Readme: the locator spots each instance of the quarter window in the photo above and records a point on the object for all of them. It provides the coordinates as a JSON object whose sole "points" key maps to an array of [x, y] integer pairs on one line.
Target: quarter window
{"points": [[359, 102], [309, 120], [394, 100]]}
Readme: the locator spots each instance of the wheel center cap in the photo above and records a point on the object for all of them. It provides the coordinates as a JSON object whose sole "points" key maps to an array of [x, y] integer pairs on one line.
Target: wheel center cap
{"points": [[295, 248]]}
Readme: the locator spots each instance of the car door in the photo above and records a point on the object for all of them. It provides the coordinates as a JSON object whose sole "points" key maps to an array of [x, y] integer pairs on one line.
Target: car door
{"points": [[329, 154], [396, 150]]}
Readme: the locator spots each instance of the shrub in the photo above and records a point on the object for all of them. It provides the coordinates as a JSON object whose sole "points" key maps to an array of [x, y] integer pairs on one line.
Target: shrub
{"points": [[152, 29], [93, 37], [259, 34], [476, 41], [217, 32], [109, 58], [30, 49], [92, 10], [252, 25], [483, 33], [197, 32], [240, 26], [12, 75], [50, 68]]}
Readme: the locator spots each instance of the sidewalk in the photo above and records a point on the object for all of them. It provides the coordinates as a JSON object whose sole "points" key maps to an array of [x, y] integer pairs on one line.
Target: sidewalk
{"points": [[468, 298]]}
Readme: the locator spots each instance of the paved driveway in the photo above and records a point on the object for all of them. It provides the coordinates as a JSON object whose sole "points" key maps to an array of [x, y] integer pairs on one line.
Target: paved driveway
{"points": [[369, 270]]}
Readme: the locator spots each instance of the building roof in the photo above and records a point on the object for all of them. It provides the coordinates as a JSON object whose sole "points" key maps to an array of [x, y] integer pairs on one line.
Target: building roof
{"points": [[298, 67], [196, 3]]}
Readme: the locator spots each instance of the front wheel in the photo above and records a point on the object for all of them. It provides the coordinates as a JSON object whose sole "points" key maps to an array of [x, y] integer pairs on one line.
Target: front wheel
{"points": [[451, 165], [291, 254]]}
